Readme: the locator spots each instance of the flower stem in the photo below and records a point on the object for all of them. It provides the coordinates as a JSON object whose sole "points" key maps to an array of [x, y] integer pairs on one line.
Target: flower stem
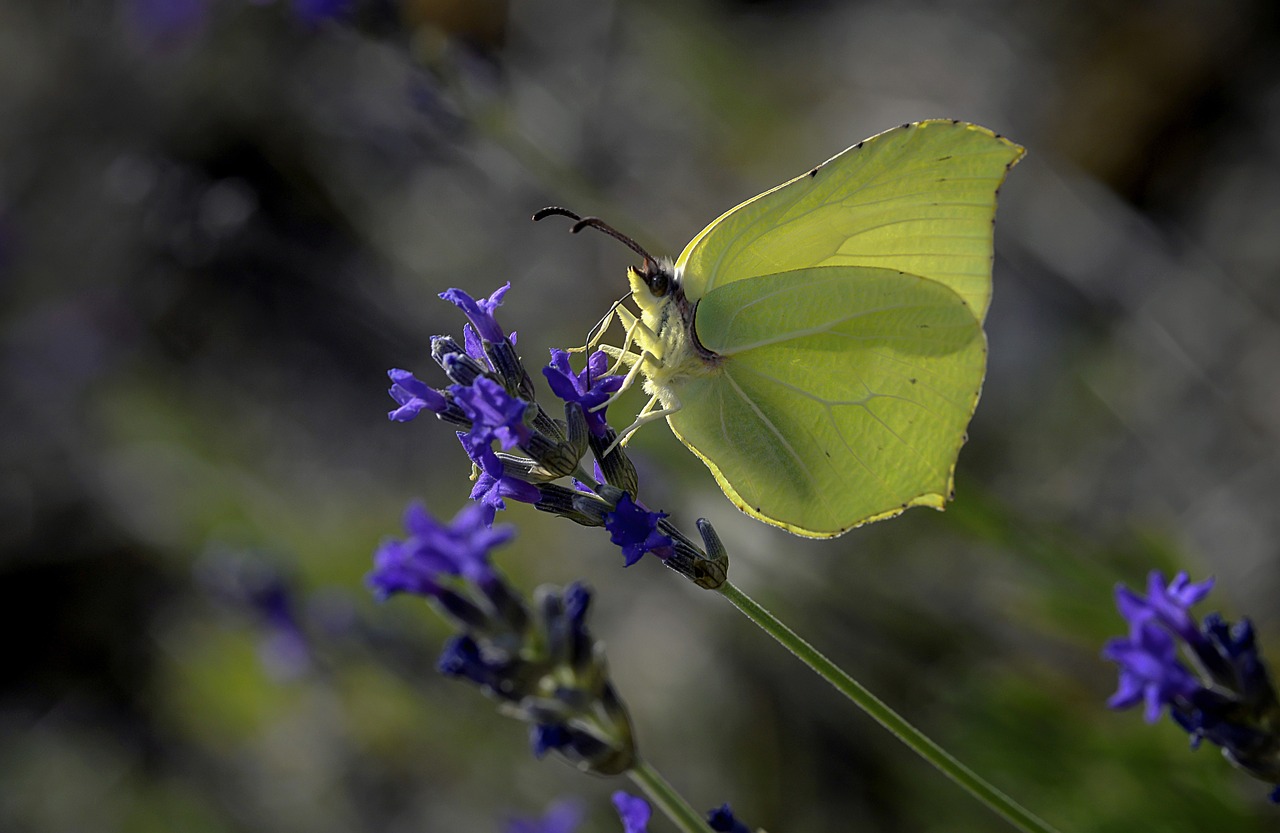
{"points": [[666, 798], [921, 744]]}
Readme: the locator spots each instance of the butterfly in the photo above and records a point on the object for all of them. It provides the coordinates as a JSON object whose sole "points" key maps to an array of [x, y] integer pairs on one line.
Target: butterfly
{"points": [[820, 346]]}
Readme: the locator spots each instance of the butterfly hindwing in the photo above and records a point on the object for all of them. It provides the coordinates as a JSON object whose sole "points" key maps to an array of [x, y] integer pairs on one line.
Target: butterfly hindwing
{"points": [[842, 396]]}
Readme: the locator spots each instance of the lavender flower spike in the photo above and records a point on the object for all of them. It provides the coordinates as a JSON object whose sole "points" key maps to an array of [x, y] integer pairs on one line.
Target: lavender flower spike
{"points": [[1232, 703]]}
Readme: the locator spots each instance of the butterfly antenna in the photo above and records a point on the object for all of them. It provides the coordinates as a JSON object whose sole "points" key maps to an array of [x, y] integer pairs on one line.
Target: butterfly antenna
{"points": [[599, 225]]}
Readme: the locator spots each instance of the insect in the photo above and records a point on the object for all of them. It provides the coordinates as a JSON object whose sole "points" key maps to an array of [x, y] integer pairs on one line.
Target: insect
{"points": [[820, 346]]}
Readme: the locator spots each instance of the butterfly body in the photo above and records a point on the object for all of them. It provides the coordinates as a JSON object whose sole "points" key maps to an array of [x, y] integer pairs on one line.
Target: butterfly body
{"points": [[820, 347]]}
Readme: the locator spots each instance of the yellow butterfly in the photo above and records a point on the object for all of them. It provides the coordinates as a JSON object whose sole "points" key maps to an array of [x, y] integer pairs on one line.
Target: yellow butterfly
{"points": [[820, 347]]}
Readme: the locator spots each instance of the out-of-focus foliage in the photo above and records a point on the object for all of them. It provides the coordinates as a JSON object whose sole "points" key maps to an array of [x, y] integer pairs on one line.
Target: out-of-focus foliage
{"points": [[222, 221]]}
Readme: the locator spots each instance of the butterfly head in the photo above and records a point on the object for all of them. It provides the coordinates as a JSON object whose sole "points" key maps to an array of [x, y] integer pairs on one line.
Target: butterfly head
{"points": [[653, 285]]}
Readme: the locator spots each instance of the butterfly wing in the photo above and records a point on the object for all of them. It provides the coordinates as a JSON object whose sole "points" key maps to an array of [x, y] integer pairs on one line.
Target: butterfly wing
{"points": [[920, 198], [842, 396]]}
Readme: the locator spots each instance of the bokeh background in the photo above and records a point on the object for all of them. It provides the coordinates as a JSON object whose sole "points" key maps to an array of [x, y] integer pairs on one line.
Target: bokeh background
{"points": [[221, 221]]}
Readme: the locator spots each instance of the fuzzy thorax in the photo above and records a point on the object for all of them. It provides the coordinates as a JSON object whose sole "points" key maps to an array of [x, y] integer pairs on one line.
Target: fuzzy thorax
{"points": [[666, 333]]}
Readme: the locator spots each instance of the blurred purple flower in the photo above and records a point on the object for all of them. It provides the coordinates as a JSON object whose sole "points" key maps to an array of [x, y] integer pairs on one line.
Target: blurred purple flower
{"points": [[1233, 702], [560, 817], [435, 551], [284, 650], [633, 810], [1150, 671], [462, 657], [722, 820], [314, 12], [544, 737], [1170, 605]]}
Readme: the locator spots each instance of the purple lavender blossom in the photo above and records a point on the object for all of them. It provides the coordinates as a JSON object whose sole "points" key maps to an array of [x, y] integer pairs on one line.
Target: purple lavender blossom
{"points": [[413, 396], [722, 820], [494, 414], [1170, 605], [560, 817], [544, 737], [284, 651], [1149, 670], [315, 12], [635, 529], [633, 811], [480, 313], [475, 347], [1232, 703], [462, 657], [591, 387], [434, 551], [494, 484]]}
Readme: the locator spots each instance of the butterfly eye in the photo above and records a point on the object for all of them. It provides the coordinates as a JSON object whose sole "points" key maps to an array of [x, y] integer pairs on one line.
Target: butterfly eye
{"points": [[658, 280]]}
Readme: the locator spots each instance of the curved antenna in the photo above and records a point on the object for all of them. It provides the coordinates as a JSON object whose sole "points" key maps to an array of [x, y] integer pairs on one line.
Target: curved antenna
{"points": [[554, 211], [597, 224]]}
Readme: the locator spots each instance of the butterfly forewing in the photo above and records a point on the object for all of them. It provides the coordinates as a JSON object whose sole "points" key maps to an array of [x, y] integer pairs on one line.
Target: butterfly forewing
{"points": [[920, 199]]}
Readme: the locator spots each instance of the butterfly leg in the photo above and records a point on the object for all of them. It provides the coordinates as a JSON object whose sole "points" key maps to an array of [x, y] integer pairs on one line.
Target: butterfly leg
{"points": [[597, 332], [646, 416], [625, 353], [637, 361]]}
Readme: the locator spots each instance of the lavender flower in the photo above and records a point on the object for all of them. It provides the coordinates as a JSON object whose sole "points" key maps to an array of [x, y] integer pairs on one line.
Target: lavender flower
{"points": [[635, 529], [722, 820], [1230, 702], [590, 388], [560, 817], [1170, 605], [542, 664], [494, 414], [422, 563], [413, 396], [494, 483], [633, 811], [492, 398], [1149, 670], [480, 313]]}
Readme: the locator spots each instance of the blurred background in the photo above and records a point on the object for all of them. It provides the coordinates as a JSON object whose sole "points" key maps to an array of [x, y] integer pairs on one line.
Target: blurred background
{"points": [[221, 221]]}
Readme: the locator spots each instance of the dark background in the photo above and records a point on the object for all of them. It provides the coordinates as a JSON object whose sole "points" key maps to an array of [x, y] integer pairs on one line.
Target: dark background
{"points": [[222, 221]]}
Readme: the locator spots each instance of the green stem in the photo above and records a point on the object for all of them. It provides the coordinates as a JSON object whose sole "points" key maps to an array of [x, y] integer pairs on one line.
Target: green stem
{"points": [[921, 744], [666, 798]]}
